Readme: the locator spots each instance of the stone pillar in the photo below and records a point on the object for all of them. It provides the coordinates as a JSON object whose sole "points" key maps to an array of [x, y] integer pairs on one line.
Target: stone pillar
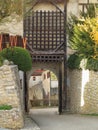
{"points": [[83, 91]]}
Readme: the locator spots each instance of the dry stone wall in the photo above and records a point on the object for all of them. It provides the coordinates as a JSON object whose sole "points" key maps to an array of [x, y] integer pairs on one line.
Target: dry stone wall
{"points": [[10, 95], [83, 91]]}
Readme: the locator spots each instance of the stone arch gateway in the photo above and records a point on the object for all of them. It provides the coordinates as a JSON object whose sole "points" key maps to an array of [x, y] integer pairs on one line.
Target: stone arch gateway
{"points": [[45, 30]]}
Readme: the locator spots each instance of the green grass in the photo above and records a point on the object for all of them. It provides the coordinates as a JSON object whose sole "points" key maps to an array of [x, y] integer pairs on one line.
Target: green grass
{"points": [[93, 114], [5, 107]]}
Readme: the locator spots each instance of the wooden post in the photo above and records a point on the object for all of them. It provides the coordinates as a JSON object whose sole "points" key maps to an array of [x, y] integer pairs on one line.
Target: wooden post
{"points": [[60, 88], [25, 93], [65, 57], [15, 40], [11, 40], [24, 42]]}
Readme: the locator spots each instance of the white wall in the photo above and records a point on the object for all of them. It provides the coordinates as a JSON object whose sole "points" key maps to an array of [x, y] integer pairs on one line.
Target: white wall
{"points": [[32, 82], [46, 82], [54, 83]]}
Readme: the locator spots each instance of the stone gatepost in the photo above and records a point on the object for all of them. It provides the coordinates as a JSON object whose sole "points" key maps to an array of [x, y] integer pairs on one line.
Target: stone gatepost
{"points": [[10, 95], [83, 91]]}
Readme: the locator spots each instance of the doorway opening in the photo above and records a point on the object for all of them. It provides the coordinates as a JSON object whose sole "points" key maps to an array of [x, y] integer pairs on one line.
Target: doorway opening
{"points": [[43, 89]]}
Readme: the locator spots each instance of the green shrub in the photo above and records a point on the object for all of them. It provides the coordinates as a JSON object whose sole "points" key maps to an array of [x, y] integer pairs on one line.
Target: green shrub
{"points": [[81, 41], [83, 38], [1, 60], [5, 107], [92, 64], [93, 114], [74, 61], [19, 56]]}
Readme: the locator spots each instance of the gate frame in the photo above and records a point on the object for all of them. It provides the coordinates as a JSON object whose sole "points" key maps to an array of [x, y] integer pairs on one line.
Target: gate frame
{"points": [[62, 89]]}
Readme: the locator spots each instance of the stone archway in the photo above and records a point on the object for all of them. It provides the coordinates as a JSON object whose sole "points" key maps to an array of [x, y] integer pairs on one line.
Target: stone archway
{"points": [[54, 67]]}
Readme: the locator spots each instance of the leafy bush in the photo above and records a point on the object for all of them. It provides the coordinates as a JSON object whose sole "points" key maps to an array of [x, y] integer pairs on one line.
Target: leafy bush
{"points": [[5, 107], [83, 37], [92, 64], [72, 21], [1, 60], [74, 61], [19, 56], [84, 40]]}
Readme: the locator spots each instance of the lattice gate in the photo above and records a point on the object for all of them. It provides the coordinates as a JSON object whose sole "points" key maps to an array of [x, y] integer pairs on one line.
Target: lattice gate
{"points": [[45, 35]]}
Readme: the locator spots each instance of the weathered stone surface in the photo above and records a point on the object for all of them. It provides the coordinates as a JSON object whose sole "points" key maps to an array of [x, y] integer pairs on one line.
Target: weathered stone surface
{"points": [[83, 91], [10, 95], [12, 25], [11, 118]]}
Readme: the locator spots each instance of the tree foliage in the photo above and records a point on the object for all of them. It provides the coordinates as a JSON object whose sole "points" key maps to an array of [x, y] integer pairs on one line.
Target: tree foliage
{"points": [[1, 60], [83, 38]]}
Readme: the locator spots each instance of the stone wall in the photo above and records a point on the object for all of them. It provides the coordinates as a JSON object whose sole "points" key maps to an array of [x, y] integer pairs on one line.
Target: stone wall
{"points": [[12, 24], [83, 91], [10, 95]]}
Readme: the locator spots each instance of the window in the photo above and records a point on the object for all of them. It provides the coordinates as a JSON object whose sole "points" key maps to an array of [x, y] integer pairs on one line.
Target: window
{"points": [[34, 78]]}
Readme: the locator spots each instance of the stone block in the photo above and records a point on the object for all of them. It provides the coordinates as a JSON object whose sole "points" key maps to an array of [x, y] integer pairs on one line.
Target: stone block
{"points": [[10, 95]]}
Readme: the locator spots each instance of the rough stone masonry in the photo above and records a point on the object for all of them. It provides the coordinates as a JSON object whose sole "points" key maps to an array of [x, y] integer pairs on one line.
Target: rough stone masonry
{"points": [[10, 95], [83, 91]]}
